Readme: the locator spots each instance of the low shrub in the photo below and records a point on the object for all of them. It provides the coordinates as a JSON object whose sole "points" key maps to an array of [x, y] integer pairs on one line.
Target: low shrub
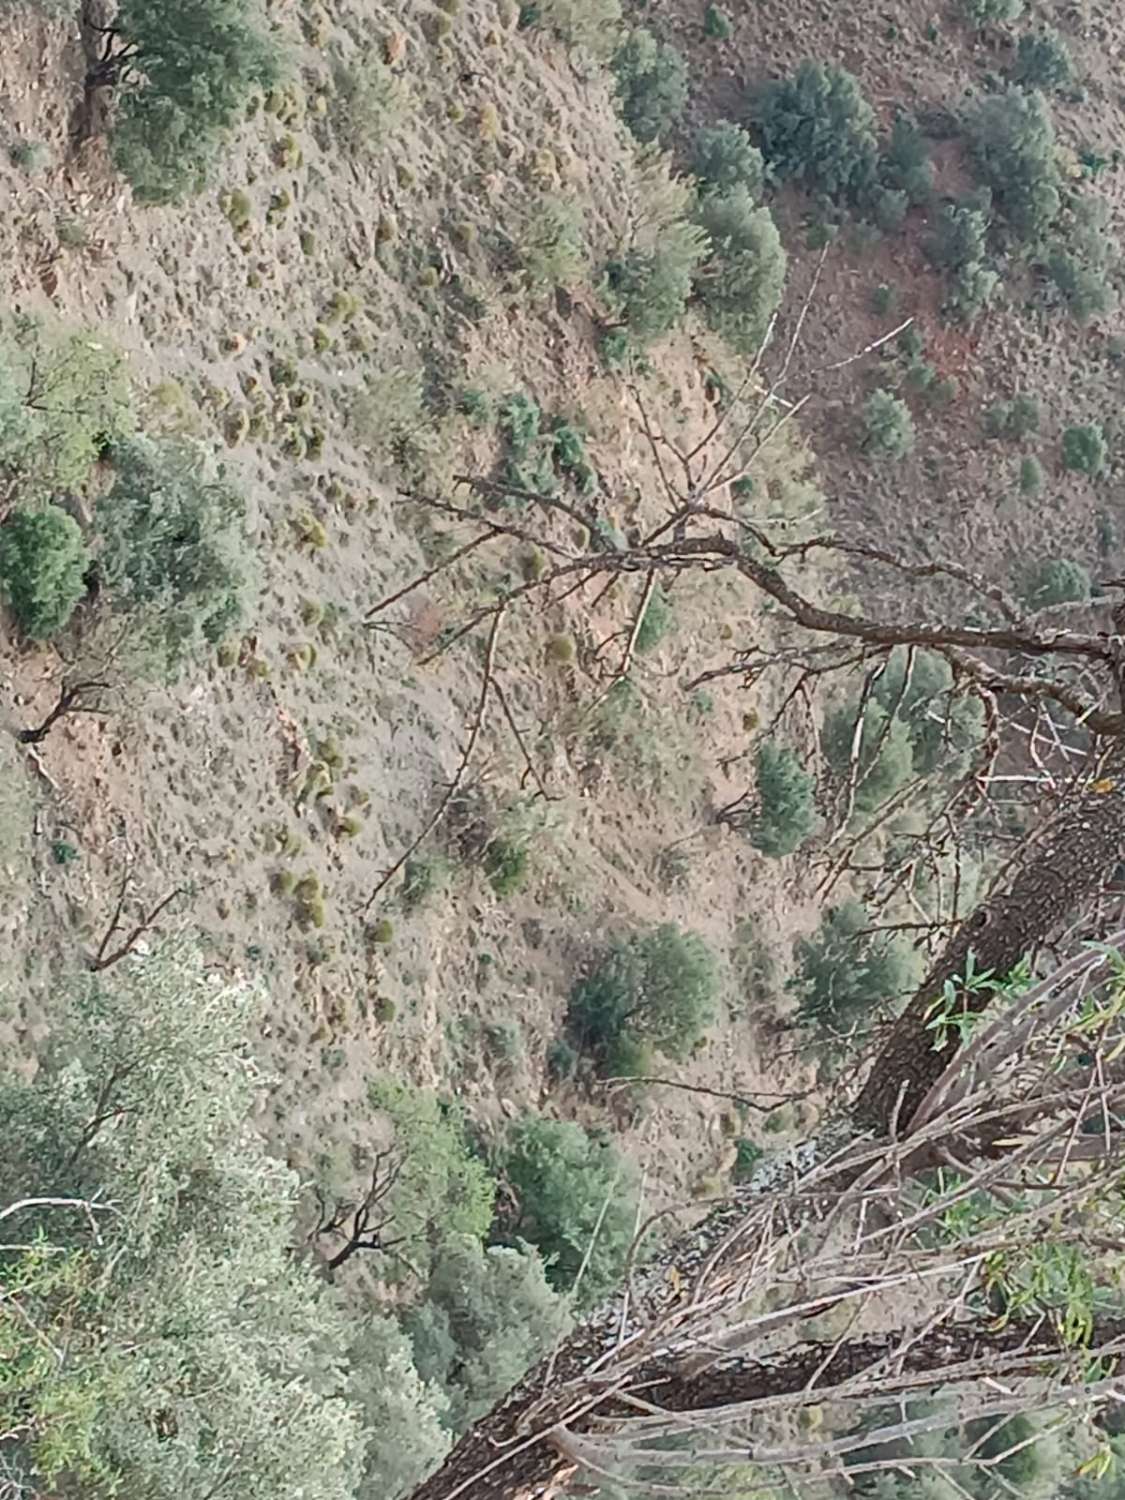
{"points": [[652, 84], [785, 814], [657, 986], [43, 562], [575, 1200], [888, 426]]}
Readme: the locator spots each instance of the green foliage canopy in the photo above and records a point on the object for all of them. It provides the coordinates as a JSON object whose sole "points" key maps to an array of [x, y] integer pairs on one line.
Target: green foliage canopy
{"points": [[43, 563], [818, 128], [657, 986], [652, 84], [565, 1182], [192, 70], [786, 794]]}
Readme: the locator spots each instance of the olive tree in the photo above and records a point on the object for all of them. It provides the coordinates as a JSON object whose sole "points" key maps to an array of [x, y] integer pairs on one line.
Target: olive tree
{"points": [[200, 1352]]}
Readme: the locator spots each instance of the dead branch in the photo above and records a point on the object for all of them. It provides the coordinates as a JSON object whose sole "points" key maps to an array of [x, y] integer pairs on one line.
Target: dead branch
{"points": [[477, 724], [105, 960], [70, 701]]}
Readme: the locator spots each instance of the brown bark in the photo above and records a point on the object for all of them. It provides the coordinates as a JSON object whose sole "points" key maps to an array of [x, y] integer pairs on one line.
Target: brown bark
{"points": [[1084, 843], [1014, 1351]]}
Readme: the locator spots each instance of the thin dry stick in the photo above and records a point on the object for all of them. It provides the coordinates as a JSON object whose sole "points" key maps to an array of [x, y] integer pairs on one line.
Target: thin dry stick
{"points": [[532, 770], [463, 765]]}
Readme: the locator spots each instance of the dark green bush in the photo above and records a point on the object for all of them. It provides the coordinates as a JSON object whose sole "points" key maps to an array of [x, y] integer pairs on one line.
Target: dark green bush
{"points": [[656, 622], [905, 165], [889, 208], [563, 1182], [785, 815], [886, 755], [724, 157], [1013, 142], [1016, 419], [991, 12], [172, 548], [650, 288], [959, 246], [741, 282], [844, 974], [818, 128], [1057, 581], [485, 1316], [888, 426], [1082, 259], [193, 70], [657, 986], [652, 84], [943, 727], [505, 865], [1084, 449], [747, 1157], [1043, 60], [716, 24], [1031, 476], [43, 562]]}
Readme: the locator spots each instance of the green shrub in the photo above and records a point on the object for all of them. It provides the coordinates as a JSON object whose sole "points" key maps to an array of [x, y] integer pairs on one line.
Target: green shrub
{"points": [[368, 100], [29, 156], [747, 1156], [1016, 419], [650, 288], [885, 759], [724, 157], [818, 128], [658, 986], [1057, 581], [592, 24], [943, 727], [62, 399], [171, 548], [191, 73], [562, 1060], [889, 208], [741, 282], [192, 1332], [43, 562], [1082, 259], [406, 1416], [1012, 137], [905, 165], [888, 426], [652, 84], [505, 865], [422, 877], [551, 242], [1043, 60], [656, 622], [844, 974], [1031, 476], [883, 299], [442, 1189], [716, 24], [959, 246], [786, 803], [485, 1317], [563, 1182], [991, 12], [1084, 449]]}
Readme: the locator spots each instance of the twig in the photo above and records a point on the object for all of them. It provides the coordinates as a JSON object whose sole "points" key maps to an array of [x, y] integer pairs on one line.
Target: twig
{"points": [[463, 765]]}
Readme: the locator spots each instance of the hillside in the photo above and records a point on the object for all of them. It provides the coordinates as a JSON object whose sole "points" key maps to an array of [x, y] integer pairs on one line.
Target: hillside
{"points": [[428, 255]]}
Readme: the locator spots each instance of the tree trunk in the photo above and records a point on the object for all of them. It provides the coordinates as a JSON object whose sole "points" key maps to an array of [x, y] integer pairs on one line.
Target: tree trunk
{"points": [[1081, 846], [509, 1456]]}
